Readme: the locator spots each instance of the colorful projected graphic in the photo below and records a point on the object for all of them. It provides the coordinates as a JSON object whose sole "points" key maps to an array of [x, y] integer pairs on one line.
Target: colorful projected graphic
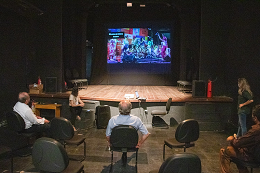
{"points": [[138, 45]]}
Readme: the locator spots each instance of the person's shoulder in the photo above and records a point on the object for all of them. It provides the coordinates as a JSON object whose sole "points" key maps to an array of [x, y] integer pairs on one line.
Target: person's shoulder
{"points": [[20, 104], [245, 92], [255, 129], [134, 116], [114, 117]]}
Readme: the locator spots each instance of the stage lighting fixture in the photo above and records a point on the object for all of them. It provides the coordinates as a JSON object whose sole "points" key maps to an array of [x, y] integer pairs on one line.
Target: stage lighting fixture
{"points": [[129, 4]]}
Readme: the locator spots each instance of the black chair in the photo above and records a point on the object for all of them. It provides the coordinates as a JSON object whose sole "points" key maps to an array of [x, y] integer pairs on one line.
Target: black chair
{"points": [[124, 138], [15, 138], [180, 163], [16, 123], [186, 133], [48, 155], [62, 130], [157, 121], [255, 163]]}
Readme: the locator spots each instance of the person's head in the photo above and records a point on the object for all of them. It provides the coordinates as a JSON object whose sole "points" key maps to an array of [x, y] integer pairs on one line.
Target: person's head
{"points": [[243, 85], [125, 107], [256, 113], [75, 91], [24, 97]]}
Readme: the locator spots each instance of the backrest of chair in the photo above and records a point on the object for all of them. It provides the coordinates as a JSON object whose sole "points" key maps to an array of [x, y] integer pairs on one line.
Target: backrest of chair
{"points": [[61, 129], [187, 131], [124, 136], [15, 122], [49, 155], [168, 105], [181, 163]]}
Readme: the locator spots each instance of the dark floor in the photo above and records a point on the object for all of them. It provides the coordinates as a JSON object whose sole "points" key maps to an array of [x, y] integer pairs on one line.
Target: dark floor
{"points": [[149, 156]]}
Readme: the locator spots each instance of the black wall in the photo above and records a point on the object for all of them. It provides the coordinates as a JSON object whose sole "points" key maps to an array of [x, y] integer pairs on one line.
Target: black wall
{"points": [[30, 46], [229, 46]]}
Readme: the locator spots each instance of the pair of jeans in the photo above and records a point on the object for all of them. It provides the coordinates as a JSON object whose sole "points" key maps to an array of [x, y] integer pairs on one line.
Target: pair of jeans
{"points": [[241, 124]]}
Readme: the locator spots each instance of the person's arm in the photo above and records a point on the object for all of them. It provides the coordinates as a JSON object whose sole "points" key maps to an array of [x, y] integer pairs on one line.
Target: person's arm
{"points": [[246, 140], [246, 103], [30, 116], [81, 103], [145, 134], [108, 133], [160, 38], [249, 98], [108, 140], [141, 141]]}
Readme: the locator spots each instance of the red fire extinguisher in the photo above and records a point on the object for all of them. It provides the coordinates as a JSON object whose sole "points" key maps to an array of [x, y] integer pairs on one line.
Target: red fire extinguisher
{"points": [[209, 91], [39, 80]]}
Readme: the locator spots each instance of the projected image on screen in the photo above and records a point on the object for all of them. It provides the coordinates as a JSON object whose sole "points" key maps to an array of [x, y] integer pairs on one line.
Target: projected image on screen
{"points": [[138, 45]]}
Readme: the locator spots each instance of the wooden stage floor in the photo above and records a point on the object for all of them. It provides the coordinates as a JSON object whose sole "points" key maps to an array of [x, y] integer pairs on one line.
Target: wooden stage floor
{"points": [[151, 93]]}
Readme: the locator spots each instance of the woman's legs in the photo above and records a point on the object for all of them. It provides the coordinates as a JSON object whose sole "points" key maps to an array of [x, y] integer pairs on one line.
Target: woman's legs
{"points": [[241, 124], [73, 111]]}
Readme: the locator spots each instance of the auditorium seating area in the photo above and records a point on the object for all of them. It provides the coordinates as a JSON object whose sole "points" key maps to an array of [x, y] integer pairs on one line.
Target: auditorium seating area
{"points": [[150, 155]]}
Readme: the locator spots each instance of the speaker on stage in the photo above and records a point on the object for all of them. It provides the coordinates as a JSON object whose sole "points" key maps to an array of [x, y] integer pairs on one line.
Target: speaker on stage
{"points": [[198, 88], [103, 115], [50, 84]]}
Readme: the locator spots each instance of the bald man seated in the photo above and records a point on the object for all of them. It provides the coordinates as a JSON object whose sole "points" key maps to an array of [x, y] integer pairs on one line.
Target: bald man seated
{"points": [[125, 118], [33, 123]]}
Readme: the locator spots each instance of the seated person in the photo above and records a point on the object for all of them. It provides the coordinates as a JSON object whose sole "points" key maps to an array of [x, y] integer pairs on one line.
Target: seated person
{"points": [[33, 123], [76, 105], [242, 147], [124, 118]]}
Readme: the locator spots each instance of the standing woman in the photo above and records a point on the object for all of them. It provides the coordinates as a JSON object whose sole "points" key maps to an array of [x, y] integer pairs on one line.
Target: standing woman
{"points": [[76, 105], [245, 98]]}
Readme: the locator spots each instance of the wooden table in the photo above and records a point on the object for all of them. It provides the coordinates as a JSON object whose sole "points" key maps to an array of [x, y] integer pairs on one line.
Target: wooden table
{"points": [[55, 107]]}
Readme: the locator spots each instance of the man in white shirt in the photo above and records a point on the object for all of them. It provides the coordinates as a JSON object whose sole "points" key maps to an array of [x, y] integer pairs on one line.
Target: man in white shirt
{"points": [[33, 123]]}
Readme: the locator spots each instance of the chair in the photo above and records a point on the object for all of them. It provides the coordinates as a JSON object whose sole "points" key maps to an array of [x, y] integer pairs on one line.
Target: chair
{"points": [[15, 138], [77, 80], [48, 155], [180, 163], [62, 130], [124, 138], [186, 133], [249, 164], [157, 121], [184, 86], [16, 123]]}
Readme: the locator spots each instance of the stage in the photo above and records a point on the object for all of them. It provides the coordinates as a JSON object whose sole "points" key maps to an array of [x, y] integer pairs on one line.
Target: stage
{"points": [[116, 93]]}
